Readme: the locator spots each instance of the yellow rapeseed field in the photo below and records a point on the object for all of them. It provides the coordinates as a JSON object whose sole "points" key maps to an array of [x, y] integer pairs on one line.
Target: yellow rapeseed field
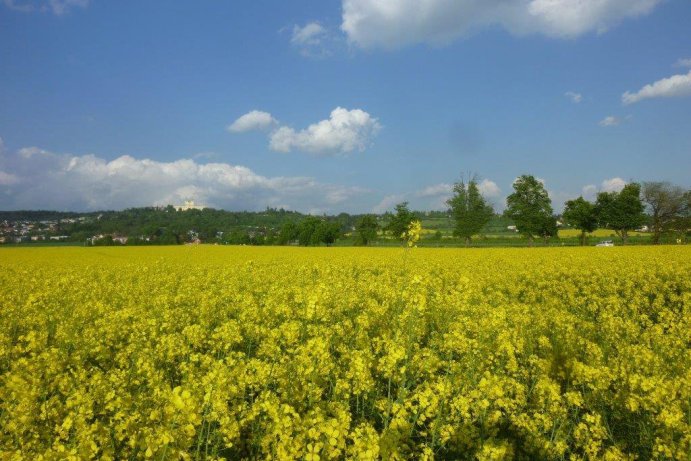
{"points": [[214, 352], [601, 233]]}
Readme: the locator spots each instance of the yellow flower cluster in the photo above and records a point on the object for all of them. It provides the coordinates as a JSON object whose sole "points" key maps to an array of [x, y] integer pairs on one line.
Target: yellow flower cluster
{"points": [[412, 235], [213, 352]]}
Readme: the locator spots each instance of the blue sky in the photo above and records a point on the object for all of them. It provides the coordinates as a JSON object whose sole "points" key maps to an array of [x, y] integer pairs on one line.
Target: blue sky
{"points": [[333, 106]]}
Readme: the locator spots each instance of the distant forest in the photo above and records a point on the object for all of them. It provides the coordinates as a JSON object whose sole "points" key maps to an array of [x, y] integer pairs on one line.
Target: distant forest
{"points": [[167, 226]]}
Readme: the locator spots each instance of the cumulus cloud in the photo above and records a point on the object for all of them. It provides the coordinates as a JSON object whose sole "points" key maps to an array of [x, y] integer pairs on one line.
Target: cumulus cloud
{"points": [[35, 178], [344, 131], [313, 40], [436, 190], [253, 120], [387, 203], [683, 62], [671, 87], [395, 23], [610, 120], [588, 192], [310, 34], [574, 97], [613, 185], [616, 184], [57, 7], [489, 189]]}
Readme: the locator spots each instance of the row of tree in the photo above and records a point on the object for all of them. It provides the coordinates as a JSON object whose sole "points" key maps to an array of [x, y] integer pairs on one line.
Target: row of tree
{"points": [[669, 207], [530, 208]]}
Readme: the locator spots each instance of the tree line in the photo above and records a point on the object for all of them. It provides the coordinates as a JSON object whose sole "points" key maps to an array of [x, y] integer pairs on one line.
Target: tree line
{"points": [[530, 208], [663, 206]]}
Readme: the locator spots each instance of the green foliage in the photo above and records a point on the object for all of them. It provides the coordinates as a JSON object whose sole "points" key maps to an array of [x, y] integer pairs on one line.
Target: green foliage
{"points": [[366, 229], [530, 207], [289, 232], [328, 232], [621, 211], [469, 210], [581, 214], [313, 231], [681, 225], [398, 225], [666, 203]]}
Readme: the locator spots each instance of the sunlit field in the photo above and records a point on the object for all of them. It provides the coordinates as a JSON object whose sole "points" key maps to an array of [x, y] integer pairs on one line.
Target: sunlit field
{"points": [[210, 352], [597, 233]]}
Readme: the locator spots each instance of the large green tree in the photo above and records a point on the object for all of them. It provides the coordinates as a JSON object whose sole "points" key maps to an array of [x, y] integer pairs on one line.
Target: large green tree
{"points": [[366, 229], [621, 211], [313, 231], [398, 225], [469, 209], [665, 203], [327, 232], [580, 214], [530, 208], [288, 233]]}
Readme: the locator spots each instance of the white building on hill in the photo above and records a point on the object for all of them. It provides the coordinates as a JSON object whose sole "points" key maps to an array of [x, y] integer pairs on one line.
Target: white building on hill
{"points": [[189, 205]]}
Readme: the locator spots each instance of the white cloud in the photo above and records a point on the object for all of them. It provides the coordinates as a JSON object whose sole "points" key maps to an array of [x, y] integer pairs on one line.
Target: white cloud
{"points": [[344, 131], [612, 185], [67, 182], [616, 184], [671, 87], [610, 120], [7, 179], [574, 97], [489, 189], [28, 152], [683, 62], [395, 23], [313, 40], [387, 203], [311, 34], [253, 120], [57, 7], [588, 192], [436, 190]]}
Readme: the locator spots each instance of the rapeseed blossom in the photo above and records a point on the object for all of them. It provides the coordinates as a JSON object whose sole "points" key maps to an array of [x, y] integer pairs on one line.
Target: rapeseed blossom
{"points": [[331, 353]]}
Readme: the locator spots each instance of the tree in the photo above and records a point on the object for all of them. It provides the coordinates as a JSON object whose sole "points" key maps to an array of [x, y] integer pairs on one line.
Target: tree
{"points": [[307, 231], [580, 213], [665, 203], [288, 233], [313, 231], [621, 211], [398, 225], [327, 233], [682, 223], [366, 229], [530, 208], [469, 210]]}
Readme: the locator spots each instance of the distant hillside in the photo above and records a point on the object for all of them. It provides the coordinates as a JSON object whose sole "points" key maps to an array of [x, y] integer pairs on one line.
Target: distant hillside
{"points": [[41, 215], [161, 225]]}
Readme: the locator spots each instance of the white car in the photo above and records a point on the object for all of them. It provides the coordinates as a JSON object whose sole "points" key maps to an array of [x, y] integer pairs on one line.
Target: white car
{"points": [[605, 243]]}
